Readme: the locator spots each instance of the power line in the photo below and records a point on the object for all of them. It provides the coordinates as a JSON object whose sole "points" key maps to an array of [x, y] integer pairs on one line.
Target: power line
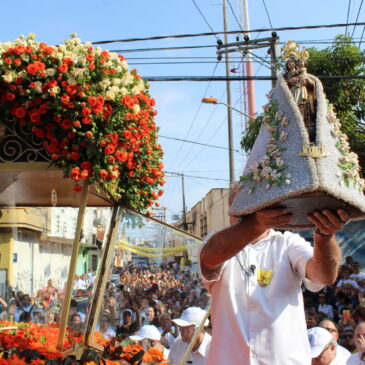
{"points": [[260, 30], [206, 21], [267, 13], [241, 78], [193, 121], [348, 14], [357, 18], [362, 34], [234, 14], [195, 177], [198, 143], [159, 49]]}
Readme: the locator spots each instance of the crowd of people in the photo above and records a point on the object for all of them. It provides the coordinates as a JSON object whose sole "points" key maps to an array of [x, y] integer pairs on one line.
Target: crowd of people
{"points": [[163, 305]]}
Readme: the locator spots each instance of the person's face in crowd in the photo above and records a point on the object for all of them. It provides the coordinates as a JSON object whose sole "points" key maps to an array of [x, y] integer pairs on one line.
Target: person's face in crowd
{"points": [[347, 340], [26, 300], [75, 321], [348, 260], [127, 318], [50, 283], [326, 356], [150, 313], [311, 321], [330, 327], [347, 289], [104, 323], [355, 268], [187, 333], [144, 303], [322, 299], [165, 321], [345, 274], [360, 337]]}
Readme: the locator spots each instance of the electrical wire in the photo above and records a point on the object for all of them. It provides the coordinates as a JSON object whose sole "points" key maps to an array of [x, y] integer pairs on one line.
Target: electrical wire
{"points": [[195, 177], [267, 13], [348, 15], [198, 143], [357, 18], [202, 15], [259, 30], [234, 15], [362, 34], [194, 119]]}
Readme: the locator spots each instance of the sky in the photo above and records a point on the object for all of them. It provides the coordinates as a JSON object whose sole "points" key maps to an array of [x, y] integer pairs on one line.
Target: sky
{"points": [[181, 115]]}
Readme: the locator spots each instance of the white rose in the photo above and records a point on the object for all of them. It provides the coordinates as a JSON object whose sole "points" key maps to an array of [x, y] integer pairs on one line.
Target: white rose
{"points": [[125, 65], [136, 108], [50, 72], [123, 91], [110, 95]]}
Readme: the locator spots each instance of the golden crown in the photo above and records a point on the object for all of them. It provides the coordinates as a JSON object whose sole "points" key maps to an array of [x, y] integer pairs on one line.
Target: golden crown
{"points": [[291, 50]]}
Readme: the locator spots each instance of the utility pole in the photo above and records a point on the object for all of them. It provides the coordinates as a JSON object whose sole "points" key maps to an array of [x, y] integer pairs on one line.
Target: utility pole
{"points": [[229, 111], [274, 50], [249, 68], [185, 226]]}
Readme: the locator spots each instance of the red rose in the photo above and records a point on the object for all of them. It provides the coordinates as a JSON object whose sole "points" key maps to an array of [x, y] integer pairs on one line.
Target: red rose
{"points": [[65, 98], [67, 124], [84, 174], [32, 69], [121, 156], [86, 112], [89, 134], [75, 172], [62, 68], [86, 165], [98, 109], [77, 188], [103, 173], [77, 123], [91, 100], [91, 67], [75, 156], [109, 149], [20, 112], [10, 96], [86, 120]]}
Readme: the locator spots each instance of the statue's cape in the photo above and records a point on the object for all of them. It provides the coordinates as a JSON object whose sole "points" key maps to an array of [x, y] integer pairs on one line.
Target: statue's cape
{"points": [[331, 181]]}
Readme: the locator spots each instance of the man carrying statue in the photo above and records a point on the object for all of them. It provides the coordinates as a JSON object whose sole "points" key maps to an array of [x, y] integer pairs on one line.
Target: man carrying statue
{"points": [[254, 272]]}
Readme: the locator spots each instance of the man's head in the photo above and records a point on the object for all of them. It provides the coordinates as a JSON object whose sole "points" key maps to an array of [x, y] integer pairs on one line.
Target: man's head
{"points": [[330, 326], [165, 321], [25, 300], [322, 298], [347, 338], [322, 345], [150, 313], [355, 267], [360, 337], [127, 316], [189, 320]]}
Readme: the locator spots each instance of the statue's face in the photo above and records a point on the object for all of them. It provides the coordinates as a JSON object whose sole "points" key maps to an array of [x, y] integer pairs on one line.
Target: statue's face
{"points": [[290, 64]]}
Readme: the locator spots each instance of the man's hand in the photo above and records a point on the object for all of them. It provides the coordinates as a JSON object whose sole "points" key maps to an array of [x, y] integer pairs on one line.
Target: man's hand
{"points": [[273, 217], [328, 222]]}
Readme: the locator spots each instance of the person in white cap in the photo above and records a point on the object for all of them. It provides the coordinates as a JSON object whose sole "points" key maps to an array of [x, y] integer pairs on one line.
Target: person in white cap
{"points": [[358, 358], [255, 276], [187, 323], [323, 347], [149, 337]]}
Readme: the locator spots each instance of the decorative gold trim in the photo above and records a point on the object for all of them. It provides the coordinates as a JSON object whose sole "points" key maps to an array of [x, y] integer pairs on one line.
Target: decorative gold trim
{"points": [[311, 150]]}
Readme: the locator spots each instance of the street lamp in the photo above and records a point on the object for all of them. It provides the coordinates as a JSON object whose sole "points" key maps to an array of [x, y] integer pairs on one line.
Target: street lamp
{"points": [[215, 101], [212, 100]]}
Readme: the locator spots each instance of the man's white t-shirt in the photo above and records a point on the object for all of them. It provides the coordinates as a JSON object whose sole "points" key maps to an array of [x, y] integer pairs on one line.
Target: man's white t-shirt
{"points": [[261, 325]]}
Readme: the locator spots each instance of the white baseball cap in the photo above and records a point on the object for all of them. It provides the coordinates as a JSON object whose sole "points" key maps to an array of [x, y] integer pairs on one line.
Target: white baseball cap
{"points": [[191, 316], [319, 338], [148, 331]]}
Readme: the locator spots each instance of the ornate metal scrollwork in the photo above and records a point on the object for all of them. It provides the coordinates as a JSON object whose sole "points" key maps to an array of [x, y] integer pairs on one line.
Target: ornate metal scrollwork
{"points": [[19, 144]]}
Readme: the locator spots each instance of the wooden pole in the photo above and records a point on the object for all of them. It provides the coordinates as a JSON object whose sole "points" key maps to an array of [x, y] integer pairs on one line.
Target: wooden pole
{"points": [[195, 337], [102, 277], [72, 269]]}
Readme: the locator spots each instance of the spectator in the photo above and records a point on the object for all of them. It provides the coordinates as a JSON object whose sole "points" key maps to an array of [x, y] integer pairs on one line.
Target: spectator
{"points": [[322, 347], [187, 323], [345, 279], [323, 307], [149, 337], [76, 322], [168, 331], [49, 294], [128, 327], [357, 275], [105, 328], [356, 359], [347, 339], [26, 307], [342, 353], [148, 317]]}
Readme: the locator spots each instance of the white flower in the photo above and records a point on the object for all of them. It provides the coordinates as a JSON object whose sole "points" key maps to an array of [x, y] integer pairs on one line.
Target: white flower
{"points": [[285, 121], [265, 160], [279, 161], [283, 136], [267, 186], [136, 108], [123, 91], [50, 72], [287, 182], [270, 147], [278, 116], [127, 79], [116, 82], [250, 191], [272, 129], [54, 90], [38, 86], [110, 95], [275, 175], [31, 36], [8, 77], [265, 172], [288, 176]]}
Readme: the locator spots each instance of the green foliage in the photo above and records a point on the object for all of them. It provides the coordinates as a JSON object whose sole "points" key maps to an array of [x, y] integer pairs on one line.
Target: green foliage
{"points": [[348, 96]]}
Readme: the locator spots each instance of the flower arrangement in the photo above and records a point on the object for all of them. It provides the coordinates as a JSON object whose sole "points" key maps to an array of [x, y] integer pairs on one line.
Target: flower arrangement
{"points": [[31, 343], [270, 167], [94, 117]]}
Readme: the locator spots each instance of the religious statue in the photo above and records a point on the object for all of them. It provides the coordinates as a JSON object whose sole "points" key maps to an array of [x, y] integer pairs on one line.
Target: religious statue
{"points": [[302, 87]]}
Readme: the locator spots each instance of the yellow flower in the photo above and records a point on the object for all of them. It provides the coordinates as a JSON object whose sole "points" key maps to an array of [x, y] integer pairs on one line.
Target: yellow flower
{"points": [[264, 277]]}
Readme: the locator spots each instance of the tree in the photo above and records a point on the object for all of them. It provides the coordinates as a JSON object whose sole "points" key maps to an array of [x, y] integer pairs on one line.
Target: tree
{"points": [[348, 96]]}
